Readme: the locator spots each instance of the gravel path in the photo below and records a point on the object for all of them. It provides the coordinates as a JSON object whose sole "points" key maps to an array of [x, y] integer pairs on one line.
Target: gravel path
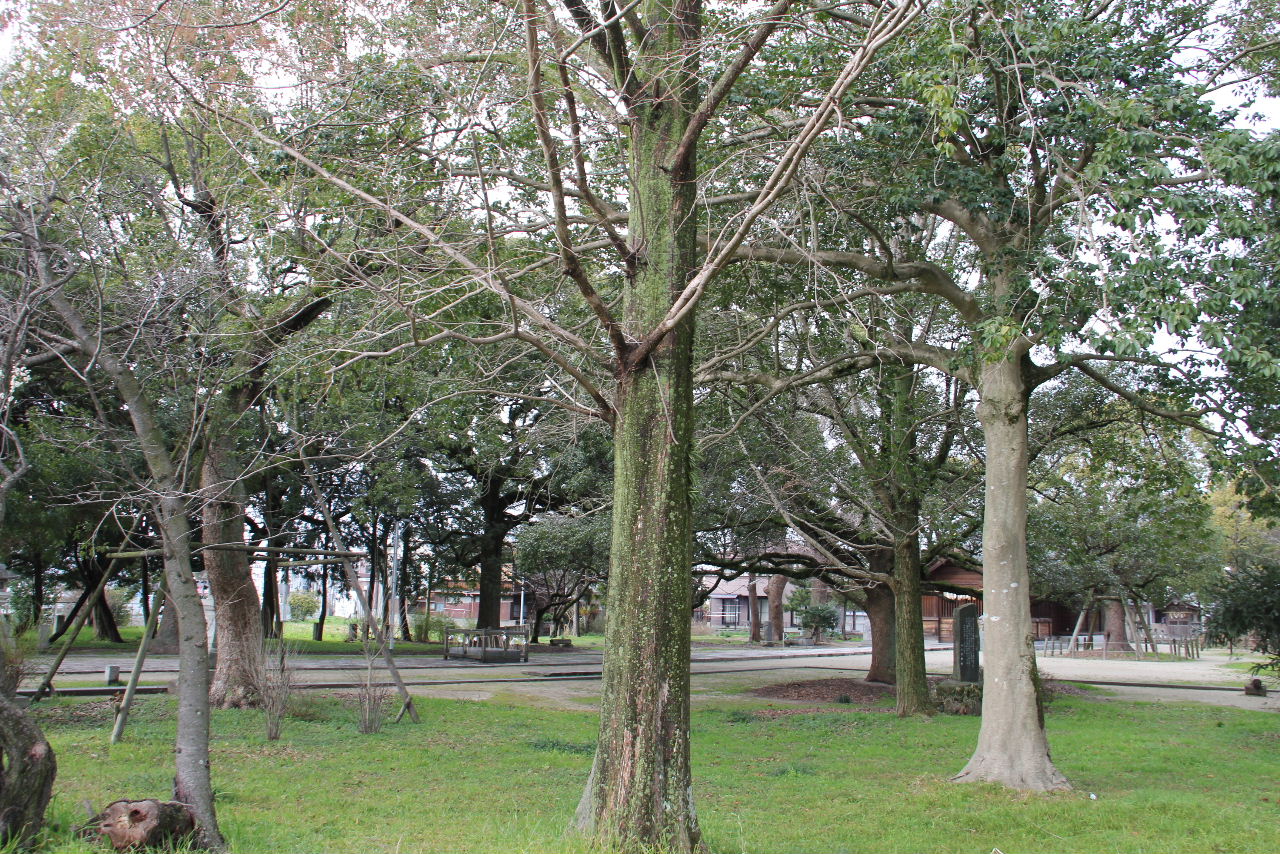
{"points": [[772, 664]]}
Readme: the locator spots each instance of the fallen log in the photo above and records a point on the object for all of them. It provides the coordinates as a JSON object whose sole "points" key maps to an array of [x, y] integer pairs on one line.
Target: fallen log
{"points": [[131, 825]]}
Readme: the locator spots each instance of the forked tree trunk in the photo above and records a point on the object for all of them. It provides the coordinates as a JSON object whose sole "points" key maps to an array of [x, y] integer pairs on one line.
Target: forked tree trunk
{"points": [[640, 792], [1012, 747], [776, 588], [539, 614], [238, 673], [192, 783], [880, 611]]}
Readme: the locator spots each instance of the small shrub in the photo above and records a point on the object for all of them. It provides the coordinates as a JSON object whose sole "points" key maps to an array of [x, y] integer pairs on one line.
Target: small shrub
{"points": [[426, 625], [844, 698], [371, 695], [959, 698], [303, 605], [277, 686], [818, 619]]}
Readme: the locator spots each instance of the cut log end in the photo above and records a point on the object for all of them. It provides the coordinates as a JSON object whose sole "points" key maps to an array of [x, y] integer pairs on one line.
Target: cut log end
{"points": [[136, 825]]}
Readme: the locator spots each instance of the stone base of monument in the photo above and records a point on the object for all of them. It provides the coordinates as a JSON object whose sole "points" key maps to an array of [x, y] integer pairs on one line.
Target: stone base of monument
{"points": [[959, 698]]}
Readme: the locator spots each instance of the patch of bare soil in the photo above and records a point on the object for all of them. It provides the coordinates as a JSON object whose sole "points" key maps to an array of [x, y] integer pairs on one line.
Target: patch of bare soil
{"points": [[771, 713], [854, 692], [863, 696], [1054, 688], [90, 713]]}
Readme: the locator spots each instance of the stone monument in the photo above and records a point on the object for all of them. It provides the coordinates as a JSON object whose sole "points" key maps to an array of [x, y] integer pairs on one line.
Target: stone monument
{"points": [[966, 644]]}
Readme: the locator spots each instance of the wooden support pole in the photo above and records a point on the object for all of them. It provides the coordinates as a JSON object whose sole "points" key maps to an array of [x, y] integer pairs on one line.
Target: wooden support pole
{"points": [[46, 685], [122, 713], [1075, 633], [1131, 626], [1145, 625]]}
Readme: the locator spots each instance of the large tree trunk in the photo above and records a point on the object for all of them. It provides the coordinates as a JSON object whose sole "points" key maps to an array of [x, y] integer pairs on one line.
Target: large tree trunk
{"points": [[1113, 626], [640, 792], [104, 622], [324, 602], [776, 588], [880, 611], [270, 599], [26, 774], [539, 614], [489, 613], [238, 672], [271, 622], [493, 504], [913, 688], [1012, 747]]}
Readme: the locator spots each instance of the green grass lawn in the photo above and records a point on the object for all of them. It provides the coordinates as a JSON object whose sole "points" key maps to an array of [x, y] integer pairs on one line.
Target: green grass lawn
{"points": [[504, 776], [1247, 666]]}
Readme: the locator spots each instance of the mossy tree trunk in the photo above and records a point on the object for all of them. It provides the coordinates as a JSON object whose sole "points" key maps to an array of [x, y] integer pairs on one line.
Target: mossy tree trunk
{"points": [[913, 688], [880, 611], [640, 793]]}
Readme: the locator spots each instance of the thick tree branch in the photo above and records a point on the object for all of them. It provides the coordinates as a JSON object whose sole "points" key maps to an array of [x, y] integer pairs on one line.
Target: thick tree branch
{"points": [[683, 154]]}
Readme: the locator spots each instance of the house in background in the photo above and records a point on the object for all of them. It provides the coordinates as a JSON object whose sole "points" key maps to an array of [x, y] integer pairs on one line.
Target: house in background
{"points": [[957, 584], [728, 606]]}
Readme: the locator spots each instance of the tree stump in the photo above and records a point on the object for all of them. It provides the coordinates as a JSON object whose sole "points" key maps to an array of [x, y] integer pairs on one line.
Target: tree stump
{"points": [[142, 824], [26, 778]]}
